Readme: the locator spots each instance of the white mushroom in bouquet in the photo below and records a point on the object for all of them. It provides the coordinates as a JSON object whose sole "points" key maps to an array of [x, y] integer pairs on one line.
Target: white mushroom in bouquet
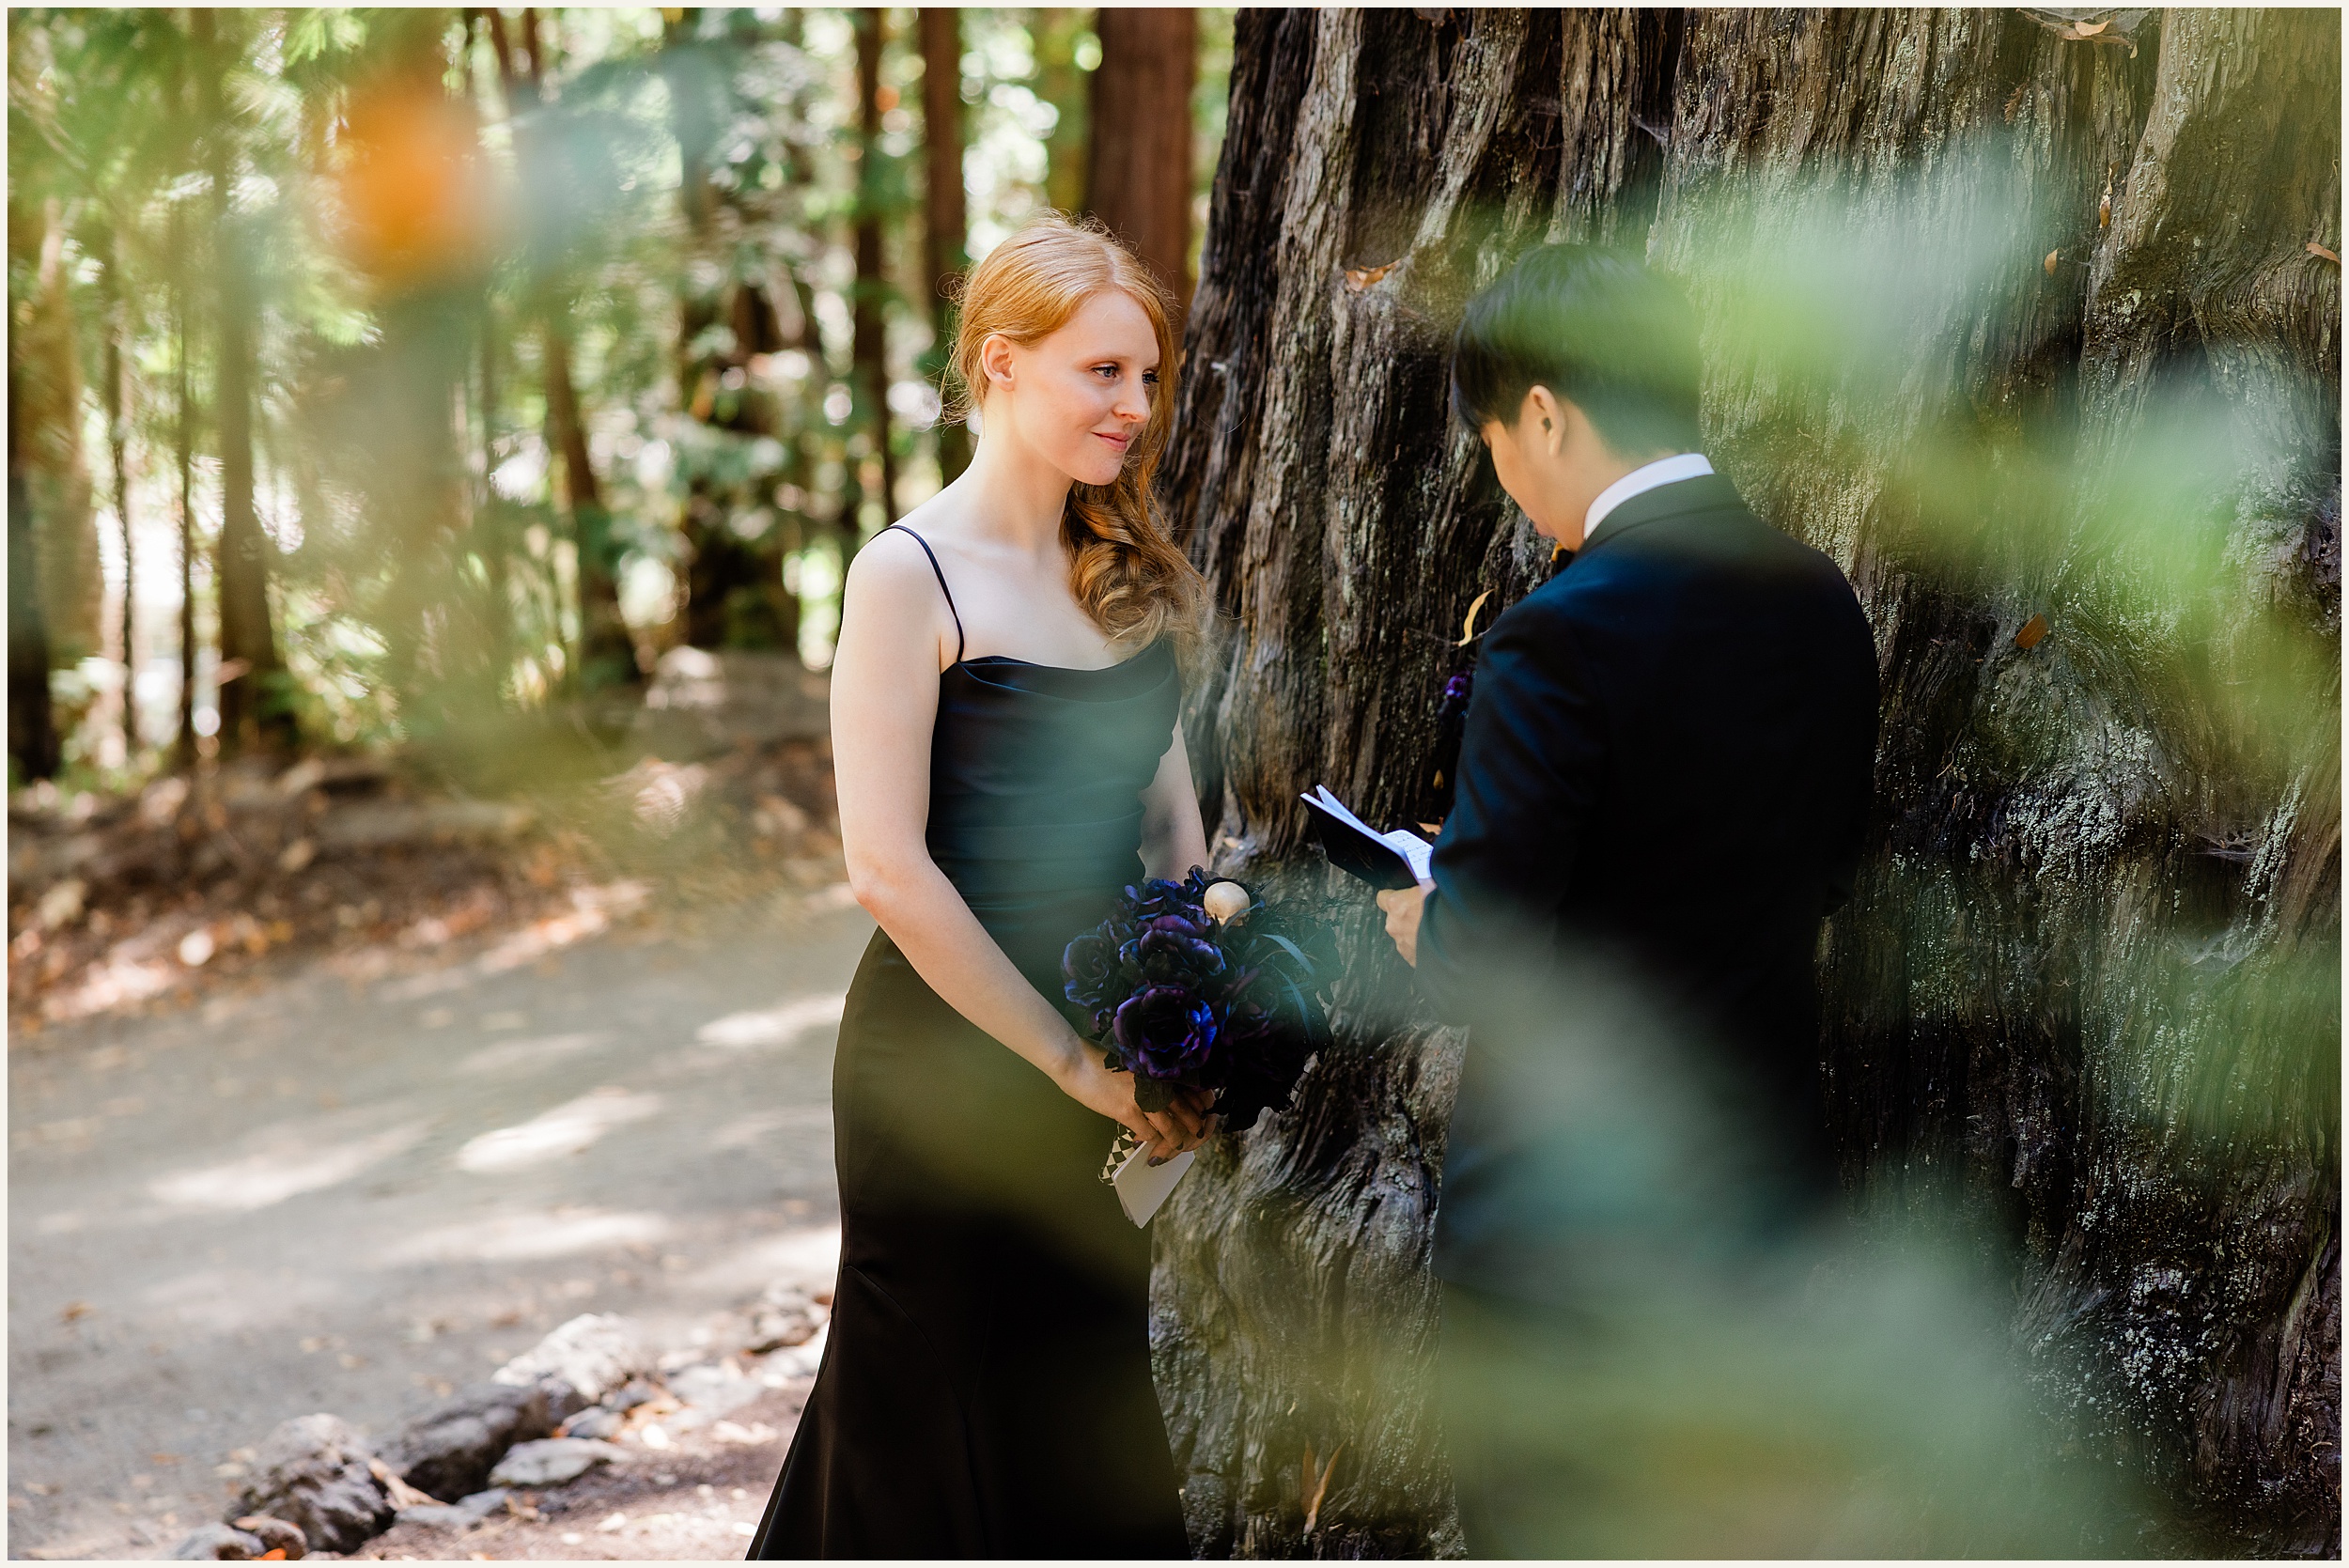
{"points": [[1226, 901]]}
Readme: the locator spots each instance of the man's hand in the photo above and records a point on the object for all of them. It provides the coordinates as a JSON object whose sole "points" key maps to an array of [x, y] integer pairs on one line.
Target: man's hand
{"points": [[1403, 907]]}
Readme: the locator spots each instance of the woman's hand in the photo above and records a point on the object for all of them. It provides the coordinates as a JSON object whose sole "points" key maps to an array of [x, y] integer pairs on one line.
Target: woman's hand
{"points": [[1183, 1125]]}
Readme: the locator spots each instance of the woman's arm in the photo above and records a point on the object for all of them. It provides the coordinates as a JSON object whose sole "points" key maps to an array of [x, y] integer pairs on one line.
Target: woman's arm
{"points": [[884, 701], [1173, 840]]}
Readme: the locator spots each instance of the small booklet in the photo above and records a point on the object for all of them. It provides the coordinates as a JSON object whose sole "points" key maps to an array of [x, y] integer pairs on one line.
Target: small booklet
{"points": [[1142, 1187], [1395, 860]]}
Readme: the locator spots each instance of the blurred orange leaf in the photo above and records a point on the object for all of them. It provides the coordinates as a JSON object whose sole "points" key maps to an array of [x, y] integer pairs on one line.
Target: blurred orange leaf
{"points": [[2035, 632], [2315, 249]]}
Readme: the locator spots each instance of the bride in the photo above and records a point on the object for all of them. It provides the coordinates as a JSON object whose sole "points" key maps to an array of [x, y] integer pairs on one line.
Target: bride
{"points": [[1005, 741]]}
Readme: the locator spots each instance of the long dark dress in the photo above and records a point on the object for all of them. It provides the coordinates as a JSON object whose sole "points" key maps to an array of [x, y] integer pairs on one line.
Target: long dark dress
{"points": [[986, 1390]]}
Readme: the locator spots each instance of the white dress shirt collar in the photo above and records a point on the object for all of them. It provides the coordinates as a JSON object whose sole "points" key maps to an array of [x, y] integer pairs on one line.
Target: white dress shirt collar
{"points": [[1664, 470]]}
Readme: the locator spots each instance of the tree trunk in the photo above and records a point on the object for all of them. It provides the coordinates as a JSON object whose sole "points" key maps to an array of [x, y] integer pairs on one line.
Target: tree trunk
{"points": [[1138, 176], [32, 735], [2181, 1242], [734, 592], [1060, 80], [119, 447], [251, 710], [607, 653], [55, 465], [869, 335], [183, 459], [945, 231]]}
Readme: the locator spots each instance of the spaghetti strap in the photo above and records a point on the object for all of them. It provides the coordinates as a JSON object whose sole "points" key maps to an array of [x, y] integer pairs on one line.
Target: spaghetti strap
{"points": [[940, 573]]}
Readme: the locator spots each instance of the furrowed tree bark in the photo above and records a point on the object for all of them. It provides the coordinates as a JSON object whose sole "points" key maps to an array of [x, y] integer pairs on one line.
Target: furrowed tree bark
{"points": [[946, 230], [2067, 796], [1137, 175]]}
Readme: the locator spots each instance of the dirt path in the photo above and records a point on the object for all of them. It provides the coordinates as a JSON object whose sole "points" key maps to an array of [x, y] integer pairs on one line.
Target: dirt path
{"points": [[321, 1195]]}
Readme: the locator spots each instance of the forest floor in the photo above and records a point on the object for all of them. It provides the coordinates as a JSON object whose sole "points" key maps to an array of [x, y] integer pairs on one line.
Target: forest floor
{"points": [[293, 1152]]}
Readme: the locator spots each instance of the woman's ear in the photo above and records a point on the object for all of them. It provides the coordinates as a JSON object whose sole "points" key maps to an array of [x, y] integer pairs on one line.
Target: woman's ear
{"points": [[995, 360]]}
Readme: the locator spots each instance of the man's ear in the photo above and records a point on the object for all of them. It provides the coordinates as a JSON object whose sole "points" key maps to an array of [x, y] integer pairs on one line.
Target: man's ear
{"points": [[1542, 412]]}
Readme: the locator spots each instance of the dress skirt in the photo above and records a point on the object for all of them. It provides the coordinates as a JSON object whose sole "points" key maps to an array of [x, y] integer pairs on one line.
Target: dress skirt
{"points": [[985, 1388]]}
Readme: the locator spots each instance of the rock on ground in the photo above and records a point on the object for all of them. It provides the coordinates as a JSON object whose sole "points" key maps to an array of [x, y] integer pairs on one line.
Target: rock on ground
{"points": [[551, 1461], [219, 1543], [313, 1472], [450, 1449], [594, 1353]]}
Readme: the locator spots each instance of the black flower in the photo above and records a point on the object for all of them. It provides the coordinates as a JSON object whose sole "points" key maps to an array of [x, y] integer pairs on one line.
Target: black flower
{"points": [[1165, 1032], [1091, 967], [1175, 950]]}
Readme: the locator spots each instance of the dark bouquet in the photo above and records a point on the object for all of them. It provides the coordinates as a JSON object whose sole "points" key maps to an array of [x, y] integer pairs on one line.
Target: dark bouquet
{"points": [[1193, 984]]}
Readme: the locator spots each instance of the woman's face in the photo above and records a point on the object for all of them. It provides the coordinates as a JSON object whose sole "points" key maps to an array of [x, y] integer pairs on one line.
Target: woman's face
{"points": [[1079, 397]]}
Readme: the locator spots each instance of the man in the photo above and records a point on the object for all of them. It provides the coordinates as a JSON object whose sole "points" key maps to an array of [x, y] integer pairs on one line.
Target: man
{"points": [[1663, 785]]}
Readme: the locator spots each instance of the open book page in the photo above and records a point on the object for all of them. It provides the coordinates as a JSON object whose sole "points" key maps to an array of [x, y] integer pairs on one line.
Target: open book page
{"points": [[1415, 851]]}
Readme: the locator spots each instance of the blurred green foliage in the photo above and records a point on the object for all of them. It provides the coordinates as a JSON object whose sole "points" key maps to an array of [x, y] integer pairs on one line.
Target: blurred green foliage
{"points": [[421, 202]]}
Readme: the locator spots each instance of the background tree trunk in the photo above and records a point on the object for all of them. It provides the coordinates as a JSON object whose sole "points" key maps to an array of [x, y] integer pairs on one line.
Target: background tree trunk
{"points": [[1138, 179], [249, 711], [869, 325], [32, 736], [1379, 166], [606, 652], [945, 231], [118, 447]]}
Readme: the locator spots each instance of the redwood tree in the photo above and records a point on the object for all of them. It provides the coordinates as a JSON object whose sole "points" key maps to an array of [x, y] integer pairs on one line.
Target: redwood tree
{"points": [[1138, 175], [2092, 959]]}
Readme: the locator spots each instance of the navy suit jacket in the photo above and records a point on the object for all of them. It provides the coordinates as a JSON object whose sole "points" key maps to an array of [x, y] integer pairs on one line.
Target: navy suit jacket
{"points": [[1665, 775]]}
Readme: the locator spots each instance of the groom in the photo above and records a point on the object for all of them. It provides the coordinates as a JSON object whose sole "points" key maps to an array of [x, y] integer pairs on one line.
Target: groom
{"points": [[1663, 782]]}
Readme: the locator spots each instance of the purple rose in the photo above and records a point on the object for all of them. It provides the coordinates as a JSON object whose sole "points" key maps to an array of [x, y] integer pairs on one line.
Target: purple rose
{"points": [[1175, 949], [1155, 898], [1165, 1031], [1090, 965]]}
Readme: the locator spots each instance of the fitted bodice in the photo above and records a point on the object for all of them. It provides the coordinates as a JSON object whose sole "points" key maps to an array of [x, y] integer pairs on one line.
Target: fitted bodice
{"points": [[1037, 774]]}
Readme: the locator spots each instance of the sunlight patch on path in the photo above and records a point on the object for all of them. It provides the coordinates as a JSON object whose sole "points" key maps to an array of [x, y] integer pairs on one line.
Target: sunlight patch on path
{"points": [[530, 1053], [565, 1130], [775, 1026], [810, 1257], [545, 1233], [284, 1167]]}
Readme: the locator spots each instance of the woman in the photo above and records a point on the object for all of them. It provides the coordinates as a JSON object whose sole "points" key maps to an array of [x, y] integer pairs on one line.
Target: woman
{"points": [[1005, 739]]}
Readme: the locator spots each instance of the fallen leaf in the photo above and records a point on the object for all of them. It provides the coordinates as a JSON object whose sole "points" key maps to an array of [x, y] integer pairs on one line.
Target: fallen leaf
{"points": [[397, 1488], [1468, 626], [1360, 278], [1314, 1489], [2035, 632], [2049, 263], [2315, 249], [75, 1310], [275, 1554], [2088, 29]]}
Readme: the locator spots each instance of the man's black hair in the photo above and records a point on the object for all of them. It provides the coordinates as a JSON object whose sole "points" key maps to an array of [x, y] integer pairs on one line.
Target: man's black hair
{"points": [[1596, 328]]}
